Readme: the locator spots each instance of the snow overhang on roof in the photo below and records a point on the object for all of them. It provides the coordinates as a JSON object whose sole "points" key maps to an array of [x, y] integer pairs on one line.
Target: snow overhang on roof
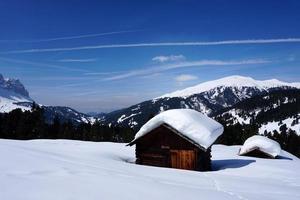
{"points": [[198, 128], [264, 144]]}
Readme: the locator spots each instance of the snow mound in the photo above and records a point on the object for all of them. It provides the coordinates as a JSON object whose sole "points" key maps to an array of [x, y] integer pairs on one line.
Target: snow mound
{"points": [[264, 144], [192, 124], [231, 81]]}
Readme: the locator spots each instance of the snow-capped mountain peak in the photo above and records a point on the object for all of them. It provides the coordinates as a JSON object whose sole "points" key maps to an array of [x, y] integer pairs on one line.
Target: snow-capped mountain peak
{"points": [[13, 85], [231, 81], [13, 95]]}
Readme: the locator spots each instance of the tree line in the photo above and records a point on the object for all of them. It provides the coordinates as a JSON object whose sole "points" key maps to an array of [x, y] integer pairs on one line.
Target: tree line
{"points": [[25, 125]]}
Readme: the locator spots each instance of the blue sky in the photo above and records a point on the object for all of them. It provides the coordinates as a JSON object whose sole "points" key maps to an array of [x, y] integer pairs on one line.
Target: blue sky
{"points": [[105, 55]]}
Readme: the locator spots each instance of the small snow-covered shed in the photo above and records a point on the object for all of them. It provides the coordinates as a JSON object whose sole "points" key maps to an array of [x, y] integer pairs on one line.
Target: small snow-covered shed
{"points": [[178, 138], [260, 146]]}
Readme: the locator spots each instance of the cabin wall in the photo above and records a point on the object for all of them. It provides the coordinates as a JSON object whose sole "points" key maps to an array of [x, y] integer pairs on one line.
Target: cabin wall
{"points": [[204, 160], [155, 149]]}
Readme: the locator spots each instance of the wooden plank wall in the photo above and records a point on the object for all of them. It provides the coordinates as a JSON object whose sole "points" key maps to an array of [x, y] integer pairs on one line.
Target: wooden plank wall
{"points": [[183, 159]]}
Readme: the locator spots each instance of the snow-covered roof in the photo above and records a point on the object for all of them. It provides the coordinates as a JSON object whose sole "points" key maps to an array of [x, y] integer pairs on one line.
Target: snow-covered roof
{"points": [[193, 125], [264, 144]]}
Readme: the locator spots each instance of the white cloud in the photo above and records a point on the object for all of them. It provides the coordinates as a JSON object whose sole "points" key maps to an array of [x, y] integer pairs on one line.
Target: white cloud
{"points": [[170, 66], [171, 58], [162, 44], [185, 77]]}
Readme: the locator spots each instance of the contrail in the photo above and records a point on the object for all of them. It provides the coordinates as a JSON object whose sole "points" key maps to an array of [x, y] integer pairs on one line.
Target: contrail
{"points": [[161, 44], [70, 37], [78, 60], [38, 64]]}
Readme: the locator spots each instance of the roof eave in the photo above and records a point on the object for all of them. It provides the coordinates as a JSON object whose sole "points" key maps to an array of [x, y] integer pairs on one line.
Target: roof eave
{"points": [[256, 148]]}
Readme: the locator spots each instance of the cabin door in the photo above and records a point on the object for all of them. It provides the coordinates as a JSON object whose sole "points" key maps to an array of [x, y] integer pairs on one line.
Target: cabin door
{"points": [[183, 159]]}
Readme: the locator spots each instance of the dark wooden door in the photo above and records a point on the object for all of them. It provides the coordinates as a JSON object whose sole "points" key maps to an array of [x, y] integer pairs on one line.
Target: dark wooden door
{"points": [[183, 159]]}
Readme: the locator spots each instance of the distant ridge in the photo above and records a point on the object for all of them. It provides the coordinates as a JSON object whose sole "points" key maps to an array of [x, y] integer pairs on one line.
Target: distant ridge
{"points": [[13, 95], [231, 81]]}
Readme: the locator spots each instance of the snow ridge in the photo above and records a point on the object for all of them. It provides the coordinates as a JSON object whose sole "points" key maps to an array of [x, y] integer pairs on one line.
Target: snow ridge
{"points": [[236, 81]]}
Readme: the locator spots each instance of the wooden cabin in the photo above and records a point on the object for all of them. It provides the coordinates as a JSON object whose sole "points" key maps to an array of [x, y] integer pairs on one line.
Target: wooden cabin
{"points": [[179, 138], [260, 147]]}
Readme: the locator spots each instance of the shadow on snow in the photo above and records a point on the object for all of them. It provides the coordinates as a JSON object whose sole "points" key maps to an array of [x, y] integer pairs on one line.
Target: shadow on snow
{"points": [[284, 158], [230, 163]]}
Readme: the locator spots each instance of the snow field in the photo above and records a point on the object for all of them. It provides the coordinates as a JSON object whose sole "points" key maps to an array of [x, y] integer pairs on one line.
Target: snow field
{"points": [[77, 170]]}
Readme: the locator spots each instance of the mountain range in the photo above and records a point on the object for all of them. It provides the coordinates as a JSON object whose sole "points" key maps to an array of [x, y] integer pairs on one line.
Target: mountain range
{"points": [[210, 98], [227, 98]]}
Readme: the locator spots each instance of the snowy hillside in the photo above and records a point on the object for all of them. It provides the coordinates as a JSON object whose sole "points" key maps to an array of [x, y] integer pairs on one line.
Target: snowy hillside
{"points": [[240, 83], [290, 122], [274, 111], [61, 169]]}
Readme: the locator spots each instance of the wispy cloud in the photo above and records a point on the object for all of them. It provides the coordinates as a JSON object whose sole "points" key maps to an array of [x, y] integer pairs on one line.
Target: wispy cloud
{"points": [[161, 44], [38, 64], [70, 37], [185, 77], [61, 78], [102, 73], [165, 67], [89, 93], [78, 60], [170, 58]]}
